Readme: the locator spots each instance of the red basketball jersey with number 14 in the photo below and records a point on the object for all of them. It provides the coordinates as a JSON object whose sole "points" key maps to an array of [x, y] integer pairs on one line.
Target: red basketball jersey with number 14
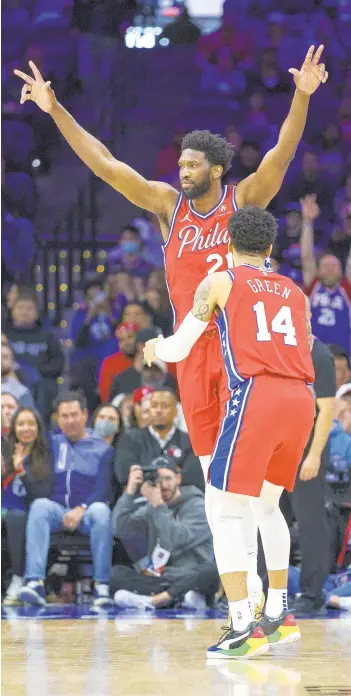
{"points": [[197, 245]]}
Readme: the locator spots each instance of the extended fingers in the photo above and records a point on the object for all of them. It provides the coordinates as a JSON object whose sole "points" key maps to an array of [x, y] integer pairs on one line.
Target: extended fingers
{"points": [[318, 54], [29, 80], [37, 74], [309, 54]]}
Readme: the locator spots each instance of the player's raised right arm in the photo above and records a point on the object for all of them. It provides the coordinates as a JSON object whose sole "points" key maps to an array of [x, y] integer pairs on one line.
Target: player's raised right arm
{"points": [[157, 197]]}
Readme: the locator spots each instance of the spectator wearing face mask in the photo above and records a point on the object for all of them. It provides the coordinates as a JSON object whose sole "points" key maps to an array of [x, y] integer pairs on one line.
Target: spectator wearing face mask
{"points": [[140, 375], [161, 437], [129, 256], [107, 423], [9, 380], [116, 363]]}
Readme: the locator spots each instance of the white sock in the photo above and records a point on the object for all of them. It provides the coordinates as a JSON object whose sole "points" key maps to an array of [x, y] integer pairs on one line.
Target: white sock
{"points": [[240, 613], [277, 602]]}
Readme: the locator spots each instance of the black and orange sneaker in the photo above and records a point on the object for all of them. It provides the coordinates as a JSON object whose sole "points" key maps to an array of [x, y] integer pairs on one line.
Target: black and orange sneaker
{"points": [[240, 644], [284, 629]]}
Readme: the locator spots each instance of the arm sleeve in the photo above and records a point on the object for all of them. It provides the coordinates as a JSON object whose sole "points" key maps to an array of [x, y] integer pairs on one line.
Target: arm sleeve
{"points": [[127, 454], [41, 488], [102, 493], [177, 347], [127, 520], [79, 331], [325, 383], [53, 366], [188, 531]]}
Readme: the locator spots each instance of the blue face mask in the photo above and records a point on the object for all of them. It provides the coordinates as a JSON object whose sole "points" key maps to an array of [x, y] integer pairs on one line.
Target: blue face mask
{"points": [[130, 247]]}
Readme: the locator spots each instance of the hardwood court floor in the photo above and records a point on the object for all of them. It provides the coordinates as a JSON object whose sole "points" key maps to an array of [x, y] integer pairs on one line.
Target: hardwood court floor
{"points": [[145, 656]]}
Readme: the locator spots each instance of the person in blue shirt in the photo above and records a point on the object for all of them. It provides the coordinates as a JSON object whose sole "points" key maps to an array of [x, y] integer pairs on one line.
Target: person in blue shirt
{"points": [[83, 465], [26, 476]]}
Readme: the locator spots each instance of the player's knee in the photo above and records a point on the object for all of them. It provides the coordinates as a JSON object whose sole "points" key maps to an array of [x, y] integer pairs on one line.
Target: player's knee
{"points": [[221, 504]]}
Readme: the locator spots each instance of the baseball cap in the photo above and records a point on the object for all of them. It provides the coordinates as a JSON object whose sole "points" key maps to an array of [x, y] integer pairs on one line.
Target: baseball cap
{"points": [[165, 462], [145, 335], [344, 390], [159, 363], [140, 394]]}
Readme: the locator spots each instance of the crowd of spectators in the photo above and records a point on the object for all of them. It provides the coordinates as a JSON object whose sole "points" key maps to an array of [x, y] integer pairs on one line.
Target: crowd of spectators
{"points": [[110, 460]]}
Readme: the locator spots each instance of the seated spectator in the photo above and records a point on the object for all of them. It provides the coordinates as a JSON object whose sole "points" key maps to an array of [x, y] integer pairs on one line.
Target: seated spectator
{"points": [[135, 313], [340, 239], [141, 400], [107, 423], [312, 179], [27, 475], [129, 257], [37, 351], [332, 157], [247, 162], [159, 307], [116, 363], [342, 365], [343, 196], [120, 291], [140, 375], [182, 30], [10, 382], [329, 290], [161, 437], [79, 501], [178, 562], [9, 406], [93, 324], [270, 79]]}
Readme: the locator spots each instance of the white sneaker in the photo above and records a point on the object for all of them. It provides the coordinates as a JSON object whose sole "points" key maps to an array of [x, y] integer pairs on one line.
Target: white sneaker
{"points": [[13, 590], [129, 600], [194, 600]]}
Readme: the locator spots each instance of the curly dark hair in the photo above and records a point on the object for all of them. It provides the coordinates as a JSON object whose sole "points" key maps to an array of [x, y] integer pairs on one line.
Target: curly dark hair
{"points": [[252, 230], [217, 149], [40, 454]]}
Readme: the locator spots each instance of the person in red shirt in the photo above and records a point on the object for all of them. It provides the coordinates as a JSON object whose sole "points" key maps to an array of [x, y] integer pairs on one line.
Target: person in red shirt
{"points": [[114, 364], [267, 415]]}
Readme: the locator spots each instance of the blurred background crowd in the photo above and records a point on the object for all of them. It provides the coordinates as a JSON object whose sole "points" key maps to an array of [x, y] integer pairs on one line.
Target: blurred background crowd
{"points": [[84, 285]]}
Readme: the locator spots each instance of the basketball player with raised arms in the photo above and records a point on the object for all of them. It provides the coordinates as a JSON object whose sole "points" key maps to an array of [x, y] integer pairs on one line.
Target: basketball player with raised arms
{"points": [[194, 226], [263, 321]]}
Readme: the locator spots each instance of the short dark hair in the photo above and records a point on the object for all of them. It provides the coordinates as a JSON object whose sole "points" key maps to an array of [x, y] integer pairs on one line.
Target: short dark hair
{"points": [[250, 143], [165, 390], [217, 150], [130, 228], [339, 352], [252, 230], [70, 396], [94, 282]]}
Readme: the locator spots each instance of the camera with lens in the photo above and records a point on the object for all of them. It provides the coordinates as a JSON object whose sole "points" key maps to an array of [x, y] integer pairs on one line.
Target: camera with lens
{"points": [[151, 475]]}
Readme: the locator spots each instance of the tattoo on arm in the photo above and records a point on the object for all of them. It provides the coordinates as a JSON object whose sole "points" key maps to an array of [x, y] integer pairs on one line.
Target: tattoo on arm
{"points": [[201, 307]]}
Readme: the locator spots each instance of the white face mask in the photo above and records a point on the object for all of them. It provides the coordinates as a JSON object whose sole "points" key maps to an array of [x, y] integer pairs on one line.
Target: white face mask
{"points": [[105, 428]]}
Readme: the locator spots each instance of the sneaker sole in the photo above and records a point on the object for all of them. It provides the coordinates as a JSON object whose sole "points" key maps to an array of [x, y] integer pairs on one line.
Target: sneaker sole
{"points": [[292, 637], [31, 597], [222, 655]]}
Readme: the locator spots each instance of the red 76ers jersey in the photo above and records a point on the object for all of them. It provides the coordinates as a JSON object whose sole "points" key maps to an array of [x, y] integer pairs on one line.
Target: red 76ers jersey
{"points": [[197, 245]]}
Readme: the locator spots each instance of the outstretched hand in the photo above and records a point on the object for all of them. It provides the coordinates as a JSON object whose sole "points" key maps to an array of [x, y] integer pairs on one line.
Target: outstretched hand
{"points": [[312, 73], [36, 89]]}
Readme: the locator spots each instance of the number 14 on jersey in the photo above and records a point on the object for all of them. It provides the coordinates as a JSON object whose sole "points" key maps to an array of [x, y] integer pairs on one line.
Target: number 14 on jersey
{"points": [[282, 324]]}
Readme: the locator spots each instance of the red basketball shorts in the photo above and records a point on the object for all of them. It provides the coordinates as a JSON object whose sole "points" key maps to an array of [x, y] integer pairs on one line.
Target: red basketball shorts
{"points": [[203, 386], [263, 434]]}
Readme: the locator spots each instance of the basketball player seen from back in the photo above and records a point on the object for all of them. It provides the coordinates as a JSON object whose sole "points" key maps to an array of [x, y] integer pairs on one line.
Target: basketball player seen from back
{"points": [[194, 223], [267, 416]]}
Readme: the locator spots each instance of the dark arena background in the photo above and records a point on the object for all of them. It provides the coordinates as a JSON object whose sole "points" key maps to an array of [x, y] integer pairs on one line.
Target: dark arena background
{"points": [[84, 288]]}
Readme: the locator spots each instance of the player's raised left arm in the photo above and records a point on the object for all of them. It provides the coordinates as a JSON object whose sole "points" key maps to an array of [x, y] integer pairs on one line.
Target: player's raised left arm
{"points": [[177, 347], [259, 188]]}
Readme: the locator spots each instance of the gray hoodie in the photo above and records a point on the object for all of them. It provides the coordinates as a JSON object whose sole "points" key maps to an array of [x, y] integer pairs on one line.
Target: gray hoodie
{"points": [[180, 528]]}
